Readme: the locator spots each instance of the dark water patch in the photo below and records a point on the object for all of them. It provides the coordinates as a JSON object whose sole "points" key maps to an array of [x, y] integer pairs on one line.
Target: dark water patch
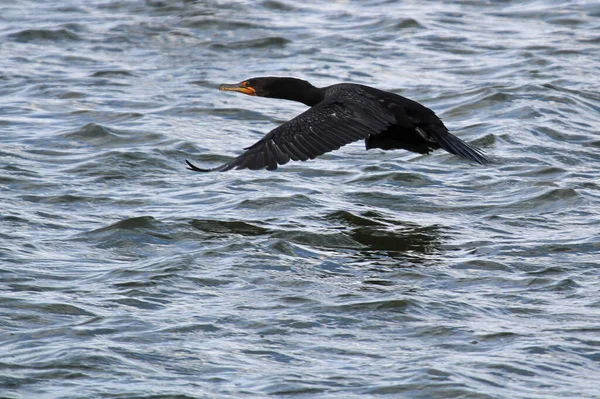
{"points": [[552, 270], [272, 355], [119, 165], [392, 305], [319, 240], [112, 395], [408, 23], [549, 171], [564, 285], [529, 199], [42, 35], [267, 42], [65, 199], [504, 336], [99, 117], [553, 195], [419, 240], [8, 179], [279, 6], [295, 388], [112, 73], [400, 177], [351, 219], [192, 328], [482, 265], [209, 282], [101, 136], [285, 247], [379, 283], [546, 250], [228, 227], [65, 95], [567, 20], [75, 359], [203, 22], [53, 308], [143, 222], [145, 278], [142, 304], [229, 113], [387, 200], [128, 234], [275, 203], [487, 101], [561, 137]]}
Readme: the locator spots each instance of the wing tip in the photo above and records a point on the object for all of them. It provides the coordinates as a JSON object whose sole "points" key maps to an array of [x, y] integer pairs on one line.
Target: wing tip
{"points": [[191, 166]]}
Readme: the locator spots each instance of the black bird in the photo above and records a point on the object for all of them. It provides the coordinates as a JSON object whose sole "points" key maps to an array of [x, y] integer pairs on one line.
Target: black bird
{"points": [[340, 114]]}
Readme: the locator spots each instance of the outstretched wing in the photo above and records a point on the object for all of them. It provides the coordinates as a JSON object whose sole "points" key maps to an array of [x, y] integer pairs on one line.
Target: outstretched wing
{"points": [[325, 127]]}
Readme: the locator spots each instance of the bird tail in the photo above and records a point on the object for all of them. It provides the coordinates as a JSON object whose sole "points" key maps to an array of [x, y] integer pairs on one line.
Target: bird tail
{"points": [[456, 146]]}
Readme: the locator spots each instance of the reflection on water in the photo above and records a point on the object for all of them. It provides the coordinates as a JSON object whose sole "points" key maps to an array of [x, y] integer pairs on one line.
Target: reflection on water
{"points": [[372, 232]]}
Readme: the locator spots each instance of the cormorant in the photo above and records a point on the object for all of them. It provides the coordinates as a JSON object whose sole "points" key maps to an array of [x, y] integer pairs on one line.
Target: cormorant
{"points": [[340, 114]]}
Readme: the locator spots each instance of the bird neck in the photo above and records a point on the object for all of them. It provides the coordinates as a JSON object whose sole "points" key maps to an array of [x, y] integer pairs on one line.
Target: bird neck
{"points": [[310, 95], [298, 90]]}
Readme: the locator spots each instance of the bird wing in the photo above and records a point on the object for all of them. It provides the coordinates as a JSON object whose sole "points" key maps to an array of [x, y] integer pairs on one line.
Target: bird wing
{"points": [[325, 127]]}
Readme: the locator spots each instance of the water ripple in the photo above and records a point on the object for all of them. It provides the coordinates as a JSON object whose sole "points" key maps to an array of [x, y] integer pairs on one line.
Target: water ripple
{"points": [[357, 274]]}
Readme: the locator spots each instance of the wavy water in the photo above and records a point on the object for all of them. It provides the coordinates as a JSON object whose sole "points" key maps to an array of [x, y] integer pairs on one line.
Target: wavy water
{"points": [[358, 274]]}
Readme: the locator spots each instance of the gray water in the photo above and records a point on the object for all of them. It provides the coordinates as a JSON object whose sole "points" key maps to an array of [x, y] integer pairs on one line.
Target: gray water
{"points": [[359, 274]]}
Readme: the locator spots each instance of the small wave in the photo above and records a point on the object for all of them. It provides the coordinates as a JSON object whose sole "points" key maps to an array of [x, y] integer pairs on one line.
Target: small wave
{"points": [[102, 116], [412, 179], [557, 194], [254, 43], [129, 235], [419, 240], [233, 113], [228, 227], [351, 219], [91, 131], [408, 23], [142, 222], [278, 6], [64, 199], [99, 135], [392, 305], [218, 24], [318, 240], [64, 309], [295, 201], [406, 241], [111, 73], [191, 328], [56, 35]]}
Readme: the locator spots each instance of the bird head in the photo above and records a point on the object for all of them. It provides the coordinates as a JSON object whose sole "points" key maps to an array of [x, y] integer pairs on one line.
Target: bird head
{"points": [[273, 87]]}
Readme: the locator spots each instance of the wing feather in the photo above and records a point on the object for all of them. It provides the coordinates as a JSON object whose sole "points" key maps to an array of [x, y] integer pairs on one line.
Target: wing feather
{"points": [[294, 152], [323, 128]]}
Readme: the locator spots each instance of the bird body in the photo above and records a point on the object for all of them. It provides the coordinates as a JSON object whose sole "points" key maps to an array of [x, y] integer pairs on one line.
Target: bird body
{"points": [[341, 114]]}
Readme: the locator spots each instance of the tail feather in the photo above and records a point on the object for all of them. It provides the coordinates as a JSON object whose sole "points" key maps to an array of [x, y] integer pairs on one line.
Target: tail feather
{"points": [[456, 146]]}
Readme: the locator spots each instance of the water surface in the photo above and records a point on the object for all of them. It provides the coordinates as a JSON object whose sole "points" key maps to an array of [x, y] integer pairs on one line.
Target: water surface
{"points": [[358, 274]]}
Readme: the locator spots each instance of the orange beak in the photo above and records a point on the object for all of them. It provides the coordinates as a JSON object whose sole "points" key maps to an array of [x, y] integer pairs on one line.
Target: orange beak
{"points": [[240, 87]]}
